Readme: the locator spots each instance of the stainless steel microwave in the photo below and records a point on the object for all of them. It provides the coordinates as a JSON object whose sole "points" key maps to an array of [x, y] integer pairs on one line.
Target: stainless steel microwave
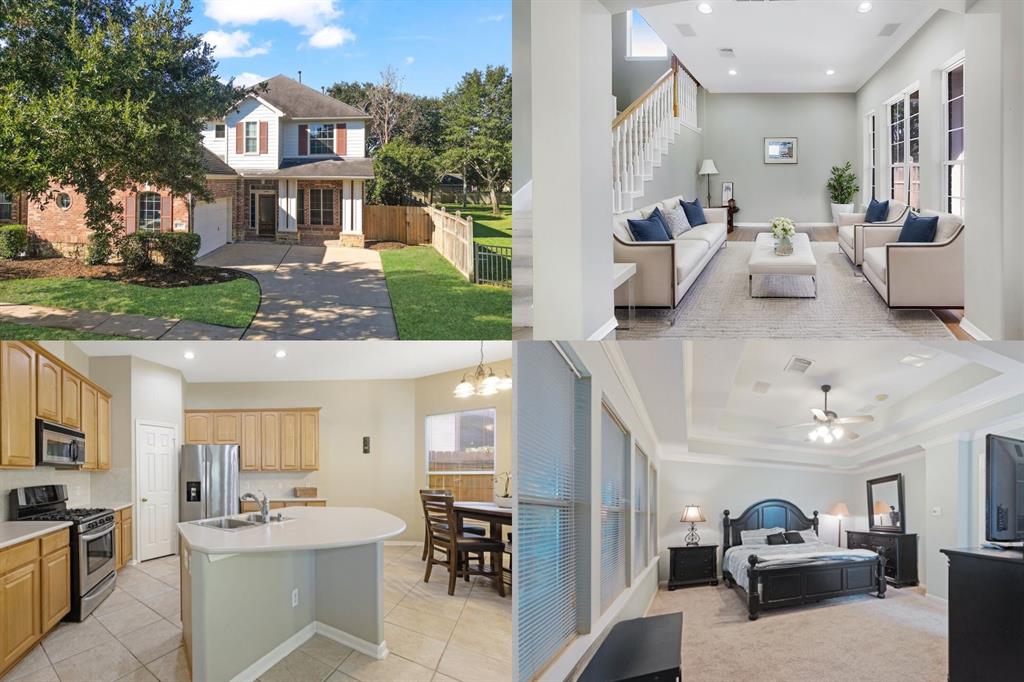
{"points": [[58, 445]]}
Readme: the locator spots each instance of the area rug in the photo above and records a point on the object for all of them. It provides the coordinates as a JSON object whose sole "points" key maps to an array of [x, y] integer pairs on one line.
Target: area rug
{"points": [[902, 637], [719, 305]]}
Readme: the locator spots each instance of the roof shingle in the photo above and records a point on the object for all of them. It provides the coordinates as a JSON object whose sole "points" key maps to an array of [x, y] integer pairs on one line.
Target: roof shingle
{"points": [[301, 101]]}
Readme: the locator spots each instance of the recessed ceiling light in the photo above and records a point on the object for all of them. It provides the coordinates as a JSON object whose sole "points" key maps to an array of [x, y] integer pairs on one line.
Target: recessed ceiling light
{"points": [[704, 8], [864, 7], [732, 72], [280, 354], [830, 72], [189, 355]]}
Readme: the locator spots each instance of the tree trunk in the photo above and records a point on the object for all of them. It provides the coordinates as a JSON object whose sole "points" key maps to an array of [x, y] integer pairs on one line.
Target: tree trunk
{"points": [[464, 188], [494, 202]]}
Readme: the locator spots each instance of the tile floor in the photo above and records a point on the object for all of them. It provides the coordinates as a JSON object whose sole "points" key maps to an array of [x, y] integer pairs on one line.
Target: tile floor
{"points": [[135, 635]]}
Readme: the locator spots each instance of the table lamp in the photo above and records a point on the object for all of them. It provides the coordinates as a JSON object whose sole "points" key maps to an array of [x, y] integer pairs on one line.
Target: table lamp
{"points": [[880, 510], [840, 509], [707, 167], [693, 515]]}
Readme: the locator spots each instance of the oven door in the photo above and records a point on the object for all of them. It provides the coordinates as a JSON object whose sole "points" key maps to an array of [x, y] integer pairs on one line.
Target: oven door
{"points": [[96, 557]]}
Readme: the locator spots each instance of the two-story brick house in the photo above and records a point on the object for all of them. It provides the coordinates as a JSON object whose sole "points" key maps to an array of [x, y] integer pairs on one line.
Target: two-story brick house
{"points": [[288, 164]]}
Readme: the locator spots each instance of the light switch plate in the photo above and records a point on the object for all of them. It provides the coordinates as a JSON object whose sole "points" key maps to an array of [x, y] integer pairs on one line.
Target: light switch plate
{"points": [[936, 511]]}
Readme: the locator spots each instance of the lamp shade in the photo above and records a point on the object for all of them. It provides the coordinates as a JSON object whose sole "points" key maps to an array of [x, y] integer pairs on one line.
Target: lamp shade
{"points": [[881, 507], [707, 167], [839, 509], [692, 514]]}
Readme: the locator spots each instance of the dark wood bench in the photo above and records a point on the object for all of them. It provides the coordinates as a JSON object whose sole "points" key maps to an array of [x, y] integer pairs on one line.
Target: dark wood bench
{"points": [[645, 649]]}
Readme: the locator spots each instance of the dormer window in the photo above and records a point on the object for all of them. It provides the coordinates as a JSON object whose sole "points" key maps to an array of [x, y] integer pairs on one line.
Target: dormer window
{"points": [[218, 131], [321, 138], [252, 129]]}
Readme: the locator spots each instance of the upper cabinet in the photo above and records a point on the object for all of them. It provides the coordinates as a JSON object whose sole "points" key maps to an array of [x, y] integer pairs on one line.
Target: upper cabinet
{"points": [[70, 399], [198, 427], [48, 385], [17, 404], [226, 427], [286, 439]]}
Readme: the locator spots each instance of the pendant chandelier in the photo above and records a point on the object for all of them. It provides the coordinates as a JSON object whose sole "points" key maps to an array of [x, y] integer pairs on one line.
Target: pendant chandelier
{"points": [[482, 381]]}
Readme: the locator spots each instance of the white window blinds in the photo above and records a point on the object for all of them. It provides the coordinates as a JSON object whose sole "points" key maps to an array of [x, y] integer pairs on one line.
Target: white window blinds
{"points": [[641, 518], [614, 507], [654, 513], [553, 443]]}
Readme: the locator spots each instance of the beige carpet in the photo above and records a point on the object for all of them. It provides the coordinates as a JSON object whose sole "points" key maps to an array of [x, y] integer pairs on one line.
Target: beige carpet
{"points": [[901, 637], [719, 305]]}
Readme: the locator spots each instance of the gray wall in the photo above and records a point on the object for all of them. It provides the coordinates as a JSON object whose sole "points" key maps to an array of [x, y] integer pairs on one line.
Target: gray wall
{"points": [[630, 79], [735, 126], [678, 171]]}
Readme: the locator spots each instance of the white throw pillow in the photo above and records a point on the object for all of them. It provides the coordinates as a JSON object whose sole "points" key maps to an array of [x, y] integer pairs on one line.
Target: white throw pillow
{"points": [[809, 535], [759, 536], [676, 220]]}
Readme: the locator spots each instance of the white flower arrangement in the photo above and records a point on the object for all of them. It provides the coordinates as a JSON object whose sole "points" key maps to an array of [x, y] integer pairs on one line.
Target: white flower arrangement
{"points": [[783, 227]]}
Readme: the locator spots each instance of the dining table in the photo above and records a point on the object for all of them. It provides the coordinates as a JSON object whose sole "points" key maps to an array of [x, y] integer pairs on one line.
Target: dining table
{"points": [[489, 513]]}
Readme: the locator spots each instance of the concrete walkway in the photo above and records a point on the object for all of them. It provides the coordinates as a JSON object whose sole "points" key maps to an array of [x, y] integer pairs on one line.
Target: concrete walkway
{"points": [[313, 292], [115, 324]]}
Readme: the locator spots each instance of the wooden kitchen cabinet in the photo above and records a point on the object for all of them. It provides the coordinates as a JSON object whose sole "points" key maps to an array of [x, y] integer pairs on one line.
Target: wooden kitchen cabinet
{"points": [[102, 432], [56, 579], [250, 441], [198, 427], [249, 506], [289, 440], [20, 609], [123, 537], [90, 423], [17, 405], [226, 427], [270, 443], [48, 387], [309, 441], [70, 399], [286, 439]]}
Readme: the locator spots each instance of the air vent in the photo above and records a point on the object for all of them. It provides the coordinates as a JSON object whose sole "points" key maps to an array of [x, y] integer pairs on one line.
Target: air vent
{"points": [[726, 52], [686, 30], [915, 359], [761, 386], [866, 408], [798, 365], [888, 30]]}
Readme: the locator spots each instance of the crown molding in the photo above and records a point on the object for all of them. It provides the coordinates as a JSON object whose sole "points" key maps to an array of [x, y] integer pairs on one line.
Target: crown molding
{"points": [[625, 377]]}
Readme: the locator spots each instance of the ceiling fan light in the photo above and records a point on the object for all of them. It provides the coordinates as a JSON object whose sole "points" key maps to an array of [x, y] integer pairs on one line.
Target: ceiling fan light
{"points": [[813, 435], [838, 432], [827, 438]]}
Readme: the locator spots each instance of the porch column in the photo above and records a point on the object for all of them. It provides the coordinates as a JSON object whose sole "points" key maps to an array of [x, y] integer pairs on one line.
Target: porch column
{"points": [[286, 205], [346, 206], [357, 206]]}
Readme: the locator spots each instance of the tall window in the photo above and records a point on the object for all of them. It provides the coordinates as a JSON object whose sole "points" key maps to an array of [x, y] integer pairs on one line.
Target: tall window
{"points": [[641, 40], [321, 207], [641, 514], [300, 206], [553, 487], [614, 507], [321, 139], [252, 131], [460, 453], [870, 154], [905, 149], [149, 211], [954, 162], [5, 206]]}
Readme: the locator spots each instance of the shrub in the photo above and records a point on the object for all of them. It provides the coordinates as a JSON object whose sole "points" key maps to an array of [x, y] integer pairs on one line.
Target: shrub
{"points": [[179, 249], [135, 249], [13, 241], [101, 246]]}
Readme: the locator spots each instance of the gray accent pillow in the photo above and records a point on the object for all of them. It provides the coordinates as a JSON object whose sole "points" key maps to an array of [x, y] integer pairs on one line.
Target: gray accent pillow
{"points": [[676, 220]]}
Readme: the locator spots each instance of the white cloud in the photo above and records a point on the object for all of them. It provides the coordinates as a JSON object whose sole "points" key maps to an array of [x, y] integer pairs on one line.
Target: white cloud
{"points": [[246, 79], [410, 60], [308, 14], [234, 44], [331, 36], [491, 18]]}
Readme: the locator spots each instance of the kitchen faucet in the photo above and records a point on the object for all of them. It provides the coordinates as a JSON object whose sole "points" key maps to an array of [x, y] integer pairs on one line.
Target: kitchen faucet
{"points": [[264, 504]]}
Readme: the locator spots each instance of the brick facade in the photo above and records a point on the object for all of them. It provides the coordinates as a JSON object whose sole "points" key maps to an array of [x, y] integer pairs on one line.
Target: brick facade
{"points": [[19, 208]]}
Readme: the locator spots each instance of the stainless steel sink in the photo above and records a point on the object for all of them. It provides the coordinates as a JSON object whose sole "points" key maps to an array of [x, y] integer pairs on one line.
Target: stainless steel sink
{"points": [[259, 519], [226, 524]]}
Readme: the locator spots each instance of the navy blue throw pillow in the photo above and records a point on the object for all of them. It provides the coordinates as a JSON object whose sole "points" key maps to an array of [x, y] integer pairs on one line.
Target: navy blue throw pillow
{"points": [[647, 230], [658, 215], [694, 212], [777, 539], [918, 229], [877, 211]]}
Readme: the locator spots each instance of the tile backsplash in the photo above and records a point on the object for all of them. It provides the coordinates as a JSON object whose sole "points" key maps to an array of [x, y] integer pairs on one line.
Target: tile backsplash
{"points": [[78, 483], [277, 484]]}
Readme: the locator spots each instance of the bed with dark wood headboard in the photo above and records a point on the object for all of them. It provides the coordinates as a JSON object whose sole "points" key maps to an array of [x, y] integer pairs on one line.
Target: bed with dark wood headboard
{"points": [[792, 584]]}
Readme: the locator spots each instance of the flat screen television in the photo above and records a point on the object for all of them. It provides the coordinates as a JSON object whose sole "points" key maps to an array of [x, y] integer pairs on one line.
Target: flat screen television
{"points": [[1004, 489]]}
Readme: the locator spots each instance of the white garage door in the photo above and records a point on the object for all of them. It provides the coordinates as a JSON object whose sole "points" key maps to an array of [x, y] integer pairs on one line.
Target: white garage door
{"points": [[212, 222]]}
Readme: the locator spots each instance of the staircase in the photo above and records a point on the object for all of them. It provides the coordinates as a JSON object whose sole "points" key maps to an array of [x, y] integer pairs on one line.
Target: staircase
{"points": [[642, 133]]}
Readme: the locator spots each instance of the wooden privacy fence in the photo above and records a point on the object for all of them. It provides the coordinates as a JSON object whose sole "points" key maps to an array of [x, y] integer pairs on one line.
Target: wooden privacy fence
{"points": [[449, 233]]}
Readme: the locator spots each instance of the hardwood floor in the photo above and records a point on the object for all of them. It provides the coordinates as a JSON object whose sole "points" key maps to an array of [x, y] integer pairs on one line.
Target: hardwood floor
{"points": [[949, 316]]}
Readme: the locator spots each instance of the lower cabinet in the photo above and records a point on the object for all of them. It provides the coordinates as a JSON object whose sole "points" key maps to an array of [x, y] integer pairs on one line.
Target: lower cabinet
{"points": [[35, 593], [123, 537]]}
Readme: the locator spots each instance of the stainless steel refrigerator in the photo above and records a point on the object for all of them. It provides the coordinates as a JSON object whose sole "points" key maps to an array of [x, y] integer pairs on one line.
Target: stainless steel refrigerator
{"points": [[208, 482]]}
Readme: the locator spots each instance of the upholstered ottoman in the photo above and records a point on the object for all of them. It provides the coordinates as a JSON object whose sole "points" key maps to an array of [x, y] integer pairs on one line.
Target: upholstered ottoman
{"points": [[800, 263]]}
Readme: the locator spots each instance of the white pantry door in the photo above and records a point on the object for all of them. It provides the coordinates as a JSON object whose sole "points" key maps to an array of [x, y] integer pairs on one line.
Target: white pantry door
{"points": [[157, 461]]}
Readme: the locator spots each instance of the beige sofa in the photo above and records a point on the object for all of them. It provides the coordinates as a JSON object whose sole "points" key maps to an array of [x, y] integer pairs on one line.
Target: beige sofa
{"points": [[852, 226], [665, 270], [917, 274]]}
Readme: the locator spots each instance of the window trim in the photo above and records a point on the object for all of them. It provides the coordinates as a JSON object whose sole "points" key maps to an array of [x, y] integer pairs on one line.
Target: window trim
{"points": [[219, 131], [310, 138], [140, 212], [491, 473], [624, 510], [630, 57], [70, 201], [904, 97], [255, 137], [318, 220], [956, 62], [870, 189], [7, 199], [300, 205]]}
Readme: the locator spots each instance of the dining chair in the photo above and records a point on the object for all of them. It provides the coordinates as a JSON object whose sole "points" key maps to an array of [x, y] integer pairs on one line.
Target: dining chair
{"points": [[466, 528], [456, 549], [506, 573]]}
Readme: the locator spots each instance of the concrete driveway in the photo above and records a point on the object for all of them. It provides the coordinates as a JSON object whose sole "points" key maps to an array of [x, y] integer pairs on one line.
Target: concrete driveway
{"points": [[313, 292]]}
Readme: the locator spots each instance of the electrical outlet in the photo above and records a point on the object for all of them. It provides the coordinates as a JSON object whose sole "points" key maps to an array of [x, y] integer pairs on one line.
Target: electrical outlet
{"points": [[295, 597], [936, 511]]}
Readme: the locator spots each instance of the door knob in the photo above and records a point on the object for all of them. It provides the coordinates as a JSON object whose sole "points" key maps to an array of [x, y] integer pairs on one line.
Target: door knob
{"points": [[145, 499]]}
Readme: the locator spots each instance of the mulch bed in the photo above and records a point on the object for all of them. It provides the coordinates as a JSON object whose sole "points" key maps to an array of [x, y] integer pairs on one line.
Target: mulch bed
{"points": [[385, 246], [157, 277]]}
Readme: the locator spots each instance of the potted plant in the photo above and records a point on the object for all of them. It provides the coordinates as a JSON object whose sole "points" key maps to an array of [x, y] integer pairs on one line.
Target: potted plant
{"points": [[783, 230], [505, 499], [842, 188]]}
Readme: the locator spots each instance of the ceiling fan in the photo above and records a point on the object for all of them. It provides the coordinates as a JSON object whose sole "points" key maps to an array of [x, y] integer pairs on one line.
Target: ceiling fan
{"points": [[828, 426]]}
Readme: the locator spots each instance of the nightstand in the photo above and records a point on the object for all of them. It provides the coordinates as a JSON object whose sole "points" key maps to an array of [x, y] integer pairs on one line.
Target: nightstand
{"points": [[692, 565]]}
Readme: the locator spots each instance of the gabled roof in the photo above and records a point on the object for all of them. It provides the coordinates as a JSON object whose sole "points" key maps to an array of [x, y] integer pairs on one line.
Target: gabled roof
{"points": [[300, 101], [358, 168], [214, 164]]}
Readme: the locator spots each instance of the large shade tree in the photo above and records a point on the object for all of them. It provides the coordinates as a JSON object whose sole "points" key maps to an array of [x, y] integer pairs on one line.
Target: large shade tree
{"points": [[104, 94]]}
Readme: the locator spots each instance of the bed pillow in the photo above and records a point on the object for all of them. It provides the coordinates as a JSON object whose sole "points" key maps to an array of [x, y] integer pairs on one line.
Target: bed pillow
{"points": [[758, 536], [809, 535], [776, 539], [793, 537], [676, 220]]}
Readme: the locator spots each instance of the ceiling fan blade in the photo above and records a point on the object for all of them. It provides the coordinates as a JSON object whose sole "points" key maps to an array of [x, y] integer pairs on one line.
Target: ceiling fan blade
{"points": [[859, 419], [819, 414], [851, 435], [793, 426]]}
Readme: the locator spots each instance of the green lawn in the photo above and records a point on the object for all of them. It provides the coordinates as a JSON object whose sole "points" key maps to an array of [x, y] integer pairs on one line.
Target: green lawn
{"points": [[10, 330], [432, 300], [231, 304], [488, 229]]}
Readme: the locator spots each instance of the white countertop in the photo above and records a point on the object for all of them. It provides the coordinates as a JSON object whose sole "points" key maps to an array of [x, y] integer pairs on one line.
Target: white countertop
{"points": [[119, 507], [16, 532], [308, 528], [296, 499]]}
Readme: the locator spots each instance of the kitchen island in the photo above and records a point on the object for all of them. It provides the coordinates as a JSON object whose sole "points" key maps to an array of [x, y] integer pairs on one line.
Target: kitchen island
{"points": [[252, 595]]}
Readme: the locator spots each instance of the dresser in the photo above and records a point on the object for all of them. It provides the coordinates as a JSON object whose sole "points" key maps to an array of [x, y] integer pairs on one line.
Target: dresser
{"points": [[899, 550], [692, 565], [986, 616]]}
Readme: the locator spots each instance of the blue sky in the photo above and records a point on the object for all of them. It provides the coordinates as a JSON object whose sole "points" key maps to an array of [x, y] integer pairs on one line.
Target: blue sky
{"points": [[431, 42]]}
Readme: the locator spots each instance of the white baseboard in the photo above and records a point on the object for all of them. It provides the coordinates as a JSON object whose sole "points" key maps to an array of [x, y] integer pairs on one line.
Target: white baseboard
{"points": [[276, 654], [378, 651], [604, 330], [764, 226], [974, 331]]}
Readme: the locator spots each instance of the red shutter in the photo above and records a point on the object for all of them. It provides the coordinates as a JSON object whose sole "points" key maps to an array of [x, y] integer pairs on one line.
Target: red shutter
{"points": [[341, 139], [165, 213], [239, 139], [264, 137], [303, 140], [129, 211]]}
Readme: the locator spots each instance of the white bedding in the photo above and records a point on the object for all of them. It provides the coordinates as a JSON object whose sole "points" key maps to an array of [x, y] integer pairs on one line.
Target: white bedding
{"points": [[735, 559]]}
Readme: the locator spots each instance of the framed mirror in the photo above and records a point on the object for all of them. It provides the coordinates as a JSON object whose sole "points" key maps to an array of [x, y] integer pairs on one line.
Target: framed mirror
{"points": [[886, 510]]}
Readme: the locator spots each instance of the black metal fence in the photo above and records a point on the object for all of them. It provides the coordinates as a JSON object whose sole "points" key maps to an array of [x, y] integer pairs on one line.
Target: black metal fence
{"points": [[492, 264]]}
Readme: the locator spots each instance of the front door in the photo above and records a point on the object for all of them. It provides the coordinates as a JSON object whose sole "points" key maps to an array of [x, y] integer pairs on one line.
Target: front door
{"points": [[158, 467], [266, 214]]}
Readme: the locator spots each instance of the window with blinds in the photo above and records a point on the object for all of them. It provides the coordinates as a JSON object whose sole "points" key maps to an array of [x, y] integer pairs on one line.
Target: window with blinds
{"points": [[641, 517], [614, 507], [552, 512], [460, 453], [654, 513]]}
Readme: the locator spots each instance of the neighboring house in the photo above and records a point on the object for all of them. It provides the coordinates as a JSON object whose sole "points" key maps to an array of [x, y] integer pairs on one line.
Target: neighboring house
{"points": [[287, 165]]}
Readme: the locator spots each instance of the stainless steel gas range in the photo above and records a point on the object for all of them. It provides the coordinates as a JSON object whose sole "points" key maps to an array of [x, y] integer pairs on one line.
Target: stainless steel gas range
{"points": [[93, 548]]}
